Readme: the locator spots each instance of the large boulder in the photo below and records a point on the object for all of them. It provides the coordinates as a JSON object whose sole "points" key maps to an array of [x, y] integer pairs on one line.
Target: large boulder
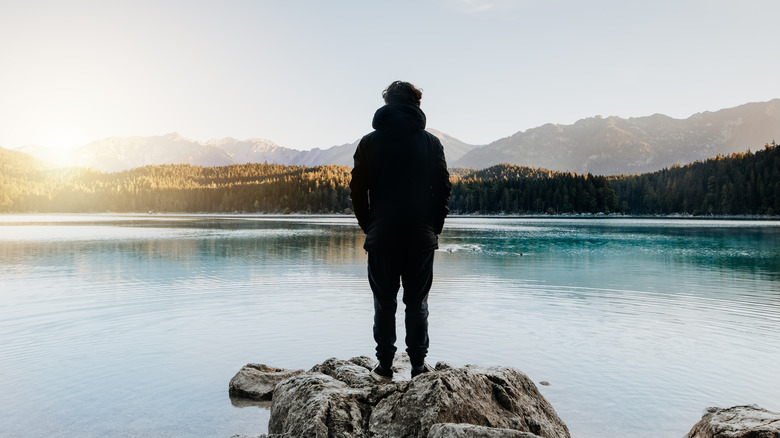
{"points": [[257, 381], [737, 422], [451, 430], [338, 398]]}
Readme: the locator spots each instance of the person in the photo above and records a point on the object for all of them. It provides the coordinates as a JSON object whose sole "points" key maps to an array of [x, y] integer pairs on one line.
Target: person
{"points": [[400, 189]]}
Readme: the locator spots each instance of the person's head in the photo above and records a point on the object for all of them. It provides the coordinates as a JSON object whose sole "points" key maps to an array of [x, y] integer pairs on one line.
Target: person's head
{"points": [[402, 92]]}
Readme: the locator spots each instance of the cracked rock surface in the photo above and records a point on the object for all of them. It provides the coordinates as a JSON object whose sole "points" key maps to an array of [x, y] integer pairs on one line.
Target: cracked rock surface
{"points": [[452, 430], [338, 398], [737, 422]]}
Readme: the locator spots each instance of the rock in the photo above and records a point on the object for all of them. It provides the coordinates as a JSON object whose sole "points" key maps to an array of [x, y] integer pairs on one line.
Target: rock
{"points": [[737, 422], [338, 398], [498, 397], [451, 430], [257, 381], [241, 402], [355, 372], [316, 405]]}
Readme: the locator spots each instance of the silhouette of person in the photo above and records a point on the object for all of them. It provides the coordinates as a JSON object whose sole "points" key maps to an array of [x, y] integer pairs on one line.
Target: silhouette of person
{"points": [[400, 190]]}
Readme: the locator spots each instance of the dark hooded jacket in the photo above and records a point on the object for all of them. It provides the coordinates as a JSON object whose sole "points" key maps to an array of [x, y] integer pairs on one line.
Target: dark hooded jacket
{"points": [[400, 186]]}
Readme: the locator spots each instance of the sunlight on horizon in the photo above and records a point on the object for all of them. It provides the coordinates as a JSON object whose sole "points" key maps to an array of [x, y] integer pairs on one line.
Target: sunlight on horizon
{"points": [[58, 128]]}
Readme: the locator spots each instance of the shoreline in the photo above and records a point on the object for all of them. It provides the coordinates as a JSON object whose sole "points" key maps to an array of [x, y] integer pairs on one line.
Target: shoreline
{"points": [[584, 216]]}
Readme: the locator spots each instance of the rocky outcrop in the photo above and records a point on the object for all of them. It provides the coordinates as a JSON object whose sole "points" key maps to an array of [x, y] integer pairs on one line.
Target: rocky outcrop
{"points": [[452, 430], [737, 422], [338, 398], [448, 430], [257, 381]]}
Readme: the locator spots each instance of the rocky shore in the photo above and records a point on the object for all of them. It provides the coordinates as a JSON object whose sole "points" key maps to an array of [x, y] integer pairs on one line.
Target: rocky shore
{"points": [[338, 398]]}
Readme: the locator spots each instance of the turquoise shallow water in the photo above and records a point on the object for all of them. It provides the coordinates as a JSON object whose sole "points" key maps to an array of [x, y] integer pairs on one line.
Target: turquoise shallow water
{"points": [[133, 325]]}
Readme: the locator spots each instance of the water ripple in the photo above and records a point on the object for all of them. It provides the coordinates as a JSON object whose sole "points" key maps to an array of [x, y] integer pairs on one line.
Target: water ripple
{"points": [[132, 315]]}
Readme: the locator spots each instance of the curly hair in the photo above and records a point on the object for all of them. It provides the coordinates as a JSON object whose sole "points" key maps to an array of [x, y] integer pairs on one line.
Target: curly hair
{"points": [[402, 92]]}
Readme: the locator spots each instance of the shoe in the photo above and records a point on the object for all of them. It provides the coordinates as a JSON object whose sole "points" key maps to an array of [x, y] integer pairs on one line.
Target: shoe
{"points": [[381, 374], [425, 369]]}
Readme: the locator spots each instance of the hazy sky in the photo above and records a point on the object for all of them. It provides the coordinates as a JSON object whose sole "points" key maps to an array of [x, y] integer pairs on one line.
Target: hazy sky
{"points": [[309, 74]]}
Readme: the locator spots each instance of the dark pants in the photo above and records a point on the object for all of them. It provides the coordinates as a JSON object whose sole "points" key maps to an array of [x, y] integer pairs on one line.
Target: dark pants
{"points": [[414, 269]]}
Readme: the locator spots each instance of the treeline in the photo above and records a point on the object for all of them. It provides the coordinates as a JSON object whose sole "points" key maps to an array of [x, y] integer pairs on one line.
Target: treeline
{"points": [[261, 188], [740, 184], [507, 188]]}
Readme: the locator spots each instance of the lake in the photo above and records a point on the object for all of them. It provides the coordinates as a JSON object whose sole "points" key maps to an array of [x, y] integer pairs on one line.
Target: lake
{"points": [[133, 325]]}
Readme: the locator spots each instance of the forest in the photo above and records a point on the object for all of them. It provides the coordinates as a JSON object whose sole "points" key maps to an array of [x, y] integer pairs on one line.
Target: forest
{"points": [[739, 184]]}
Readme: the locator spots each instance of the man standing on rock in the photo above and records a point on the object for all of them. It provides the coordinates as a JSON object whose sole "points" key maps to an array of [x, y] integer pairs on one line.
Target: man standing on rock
{"points": [[400, 189]]}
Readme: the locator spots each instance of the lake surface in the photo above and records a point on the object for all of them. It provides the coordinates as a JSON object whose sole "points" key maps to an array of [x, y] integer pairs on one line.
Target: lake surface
{"points": [[133, 325]]}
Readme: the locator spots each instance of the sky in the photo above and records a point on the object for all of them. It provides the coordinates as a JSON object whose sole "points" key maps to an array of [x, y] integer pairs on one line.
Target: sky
{"points": [[309, 73]]}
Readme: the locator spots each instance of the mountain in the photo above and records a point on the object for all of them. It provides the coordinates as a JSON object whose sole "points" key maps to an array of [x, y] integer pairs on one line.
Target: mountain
{"points": [[334, 155], [18, 172], [122, 153], [15, 163], [253, 150], [597, 145], [613, 145], [453, 148], [18, 168], [114, 154]]}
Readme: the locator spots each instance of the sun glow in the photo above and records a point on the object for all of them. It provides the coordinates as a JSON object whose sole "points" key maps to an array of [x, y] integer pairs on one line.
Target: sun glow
{"points": [[60, 133], [59, 137], [58, 141]]}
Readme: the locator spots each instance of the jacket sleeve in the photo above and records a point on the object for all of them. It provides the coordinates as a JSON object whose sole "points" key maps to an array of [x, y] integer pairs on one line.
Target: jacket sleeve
{"points": [[441, 187], [358, 185]]}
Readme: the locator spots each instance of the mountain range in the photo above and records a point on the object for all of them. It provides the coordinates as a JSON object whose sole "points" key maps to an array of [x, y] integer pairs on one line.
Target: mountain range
{"points": [[597, 145], [613, 145]]}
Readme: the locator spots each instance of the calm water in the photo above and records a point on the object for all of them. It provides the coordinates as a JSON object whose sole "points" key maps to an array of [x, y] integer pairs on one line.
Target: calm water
{"points": [[133, 325]]}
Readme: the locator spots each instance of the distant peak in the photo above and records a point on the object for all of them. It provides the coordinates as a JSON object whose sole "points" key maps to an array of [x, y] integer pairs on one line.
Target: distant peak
{"points": [[175, 136]]}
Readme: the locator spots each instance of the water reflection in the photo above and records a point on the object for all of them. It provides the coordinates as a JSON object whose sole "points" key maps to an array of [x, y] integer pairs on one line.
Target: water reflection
{"points": [[630, 320]]}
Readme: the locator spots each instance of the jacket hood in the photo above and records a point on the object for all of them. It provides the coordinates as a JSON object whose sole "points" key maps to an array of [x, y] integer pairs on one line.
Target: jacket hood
{"points": [[399, 117]]}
